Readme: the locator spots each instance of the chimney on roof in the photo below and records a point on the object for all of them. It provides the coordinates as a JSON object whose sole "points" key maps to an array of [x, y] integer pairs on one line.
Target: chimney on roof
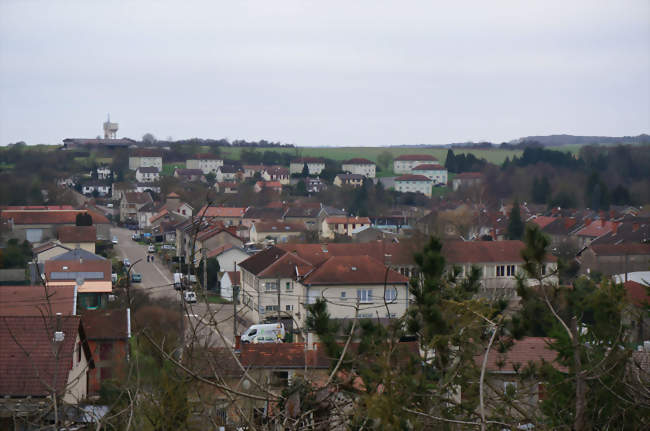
{"points": [[614, 228], [635, 226], [588, 221]]}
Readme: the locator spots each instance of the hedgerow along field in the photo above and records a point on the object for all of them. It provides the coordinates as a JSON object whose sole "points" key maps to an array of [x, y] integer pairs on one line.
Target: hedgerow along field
{"points": [[495, 156]]}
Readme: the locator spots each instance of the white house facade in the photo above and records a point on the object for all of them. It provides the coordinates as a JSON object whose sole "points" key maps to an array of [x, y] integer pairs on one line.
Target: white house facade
{"points": [[208, 163], [404, 164], [360, 167], [414, 183], [435, 172]]}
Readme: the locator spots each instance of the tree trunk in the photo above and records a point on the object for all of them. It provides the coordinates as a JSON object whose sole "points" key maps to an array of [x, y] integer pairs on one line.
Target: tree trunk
{"points": [[579, 423]]}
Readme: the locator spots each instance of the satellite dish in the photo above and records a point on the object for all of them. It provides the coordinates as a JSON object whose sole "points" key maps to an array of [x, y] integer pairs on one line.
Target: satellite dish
{"points": [[80, 280]]}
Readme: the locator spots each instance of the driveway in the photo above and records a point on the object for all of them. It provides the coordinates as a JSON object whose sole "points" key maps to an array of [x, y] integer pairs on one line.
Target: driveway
{"points": [[202, 319]]}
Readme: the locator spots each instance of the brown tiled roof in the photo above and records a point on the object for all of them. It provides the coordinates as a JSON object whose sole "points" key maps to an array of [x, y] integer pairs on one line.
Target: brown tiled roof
{"points": [[282, 355], [146, 152], [50, 217], [560, 226], [412, 177], [36, 301], [358, 162], [637, 293], [399, 253], [542, 221], [188, 172], [309, 160], [209, 233], [235, 277], [278, 170], [260, 261], [74, 267], [148, 170], [524, 351], [264, 213], [47, 246], [468, 176], [621, 249], [429, 167], [77, 233], [347, 220], [286, 266], [596, 228], [35, 207], [221, 212], [352, 270], [484, 251], [27, 361], [138, 198], [211, 362], [217, 251], [350, 176], [269, 184], [276, 226], [204, 156], [105, 324], [416, 157]]}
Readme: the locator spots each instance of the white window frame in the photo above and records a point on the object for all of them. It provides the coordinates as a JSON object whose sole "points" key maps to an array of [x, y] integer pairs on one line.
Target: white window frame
{"points": [[390, 295], [364, 296]]}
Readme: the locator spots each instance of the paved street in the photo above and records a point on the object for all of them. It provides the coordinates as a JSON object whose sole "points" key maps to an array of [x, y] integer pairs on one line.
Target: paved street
{"points": [[158, 282]]}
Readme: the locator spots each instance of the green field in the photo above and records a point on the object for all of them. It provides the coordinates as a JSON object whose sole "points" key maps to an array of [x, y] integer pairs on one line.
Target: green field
{"points": [[371, 153], [168, 168]]}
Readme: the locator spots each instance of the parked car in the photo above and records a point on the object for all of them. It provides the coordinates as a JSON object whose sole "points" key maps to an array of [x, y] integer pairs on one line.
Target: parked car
{"points": [[135, 236], [264, 333], [189, 296], [151, 249], [109, 205], [136, 278], [178, 281], [168, 247], [127, 262], [114, 240]]}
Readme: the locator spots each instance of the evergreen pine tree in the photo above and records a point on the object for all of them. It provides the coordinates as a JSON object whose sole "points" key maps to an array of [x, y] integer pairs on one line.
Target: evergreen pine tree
{"points": [[450, 161], [515, 223]]}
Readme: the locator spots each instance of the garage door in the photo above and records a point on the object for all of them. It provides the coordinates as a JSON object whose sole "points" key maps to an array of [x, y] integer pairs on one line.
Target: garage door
{"points": [[34, 235]]}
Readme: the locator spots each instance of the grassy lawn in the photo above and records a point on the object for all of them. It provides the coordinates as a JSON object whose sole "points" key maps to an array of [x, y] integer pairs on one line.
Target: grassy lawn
{"points": [[213, 298], [6, 166], [168, 168]]}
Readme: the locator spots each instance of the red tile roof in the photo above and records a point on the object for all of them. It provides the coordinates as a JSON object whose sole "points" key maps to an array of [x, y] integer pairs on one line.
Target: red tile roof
{"points": [[637, 293], [429, 167], [542, 221], [36, 301], [146, 152], [50, 217], [277, 227], [105, 324], [352, 270], [347, 220], [217, 251], [235, 277], [412, 177], [458, 252], [47, 246], [204, 156], [468, 176], [596, 228], [138, 198], [524, 351], [286, 266], [221, 212], [74, 266], [416, 157], [621, 249], [77, 234], [309, 160], [358, 161], [282, 355], [27, 361], [398, 253]]}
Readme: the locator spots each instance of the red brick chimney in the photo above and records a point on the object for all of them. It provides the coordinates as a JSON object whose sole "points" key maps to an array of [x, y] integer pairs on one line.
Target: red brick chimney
{"points": [[635, 227], [614, 228], [602, 222], [588, 221], [237, 342]]}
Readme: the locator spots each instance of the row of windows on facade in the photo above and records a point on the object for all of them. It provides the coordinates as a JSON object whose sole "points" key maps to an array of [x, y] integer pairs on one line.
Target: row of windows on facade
{"points": [[363, 295]]}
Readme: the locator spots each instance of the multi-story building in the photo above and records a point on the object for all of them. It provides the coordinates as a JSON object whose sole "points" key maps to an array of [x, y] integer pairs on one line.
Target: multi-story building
{"points": [[354, 180], [149, 174], [344, 225], [314, 164], [404, 164], [208, 163], [360, 167], [414, 183], [145, 157], [433, 171]]}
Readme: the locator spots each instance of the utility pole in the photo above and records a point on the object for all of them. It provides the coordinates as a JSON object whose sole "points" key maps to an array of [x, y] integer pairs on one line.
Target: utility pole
{"points": [[235, 298], [279, 301], [205, 270]]}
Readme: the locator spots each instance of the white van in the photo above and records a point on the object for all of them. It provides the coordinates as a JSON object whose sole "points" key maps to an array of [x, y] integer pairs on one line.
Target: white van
{"points": [[189, 296], [264, 333], [178, 280]]}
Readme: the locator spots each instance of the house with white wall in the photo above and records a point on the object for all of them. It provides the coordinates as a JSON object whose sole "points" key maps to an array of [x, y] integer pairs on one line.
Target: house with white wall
{"points": [[414, 183], [360, 166], [342, 225], [435, 172], [148, 174], [145, 157], [405, 163], [208, 163], [314, 164]]}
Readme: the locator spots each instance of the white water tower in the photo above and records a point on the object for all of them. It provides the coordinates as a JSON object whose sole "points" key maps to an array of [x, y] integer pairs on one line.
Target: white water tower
{"points": [[110, 129]]}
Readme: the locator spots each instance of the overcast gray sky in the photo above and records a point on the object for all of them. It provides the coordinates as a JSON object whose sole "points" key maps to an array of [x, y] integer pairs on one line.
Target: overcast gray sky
{"points": [[324, 73]]}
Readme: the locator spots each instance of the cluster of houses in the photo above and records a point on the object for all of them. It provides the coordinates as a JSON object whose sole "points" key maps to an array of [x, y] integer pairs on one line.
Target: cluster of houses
{"points": [[415, 173], [56, 335]]}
